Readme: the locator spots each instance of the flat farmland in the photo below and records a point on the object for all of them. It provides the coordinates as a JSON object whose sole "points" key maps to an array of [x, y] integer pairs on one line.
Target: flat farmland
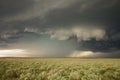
{"points": [[59, 69]]}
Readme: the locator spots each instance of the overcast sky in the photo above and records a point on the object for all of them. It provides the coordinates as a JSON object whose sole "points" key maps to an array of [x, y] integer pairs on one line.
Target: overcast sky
{"points": [[60, 28]]}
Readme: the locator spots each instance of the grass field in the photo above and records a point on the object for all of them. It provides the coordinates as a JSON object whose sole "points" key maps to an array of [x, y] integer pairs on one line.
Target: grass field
{"points": [[59, 69]]}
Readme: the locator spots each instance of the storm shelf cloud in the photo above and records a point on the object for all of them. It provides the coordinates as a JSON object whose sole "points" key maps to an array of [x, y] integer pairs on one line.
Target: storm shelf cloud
{"points": [[60, 28]]}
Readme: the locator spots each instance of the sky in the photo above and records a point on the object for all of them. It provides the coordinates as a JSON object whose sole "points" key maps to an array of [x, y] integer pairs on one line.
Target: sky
{"points": [[60, 28]]}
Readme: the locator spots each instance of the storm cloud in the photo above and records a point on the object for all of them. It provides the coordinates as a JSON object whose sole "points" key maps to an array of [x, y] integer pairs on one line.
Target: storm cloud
{"points": [[59, 28]]}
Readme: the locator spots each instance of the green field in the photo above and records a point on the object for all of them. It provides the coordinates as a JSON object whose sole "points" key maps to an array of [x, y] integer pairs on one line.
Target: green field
{"points": [[59, 69]]}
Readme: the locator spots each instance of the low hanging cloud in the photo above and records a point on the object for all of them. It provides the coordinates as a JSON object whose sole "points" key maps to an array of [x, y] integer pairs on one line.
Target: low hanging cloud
{"points": [[85, 54], [91, 54], [80, 33]]}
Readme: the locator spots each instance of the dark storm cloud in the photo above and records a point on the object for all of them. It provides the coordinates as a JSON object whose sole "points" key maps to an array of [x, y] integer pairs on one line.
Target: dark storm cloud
{"points": [[95, 12], [100, 46], [74, 12], [77, 20], [13, 7]]}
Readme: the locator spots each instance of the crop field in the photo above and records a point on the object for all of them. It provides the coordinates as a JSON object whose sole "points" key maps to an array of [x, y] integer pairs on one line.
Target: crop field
{"points": [[59, 69]]}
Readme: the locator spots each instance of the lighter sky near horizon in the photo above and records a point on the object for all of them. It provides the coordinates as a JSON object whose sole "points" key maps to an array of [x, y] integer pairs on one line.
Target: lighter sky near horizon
{"points": [[13, 53]]}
